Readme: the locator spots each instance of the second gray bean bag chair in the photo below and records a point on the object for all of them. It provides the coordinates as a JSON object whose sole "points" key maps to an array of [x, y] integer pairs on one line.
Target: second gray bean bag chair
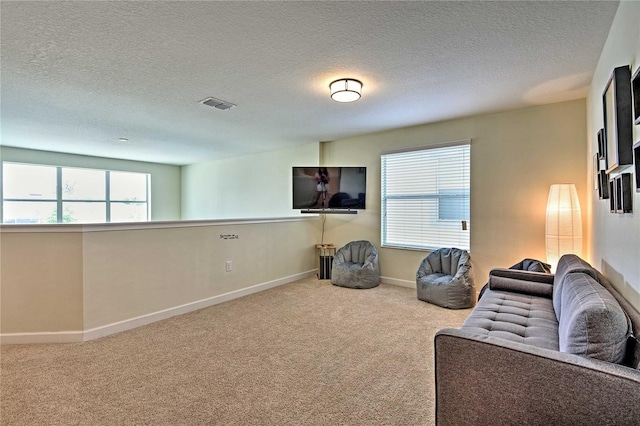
{"points": [[356, 266], [445, 278]]}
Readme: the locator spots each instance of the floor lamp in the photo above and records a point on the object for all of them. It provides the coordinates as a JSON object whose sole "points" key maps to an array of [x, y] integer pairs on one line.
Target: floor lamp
{"points": [[563, 231]]}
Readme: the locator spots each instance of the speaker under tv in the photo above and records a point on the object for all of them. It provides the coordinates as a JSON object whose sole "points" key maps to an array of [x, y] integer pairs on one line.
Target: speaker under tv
{"points": [[329, 189]]}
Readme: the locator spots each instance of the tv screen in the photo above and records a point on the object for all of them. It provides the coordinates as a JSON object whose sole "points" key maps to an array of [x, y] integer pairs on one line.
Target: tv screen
{"points": [[337, 188]]}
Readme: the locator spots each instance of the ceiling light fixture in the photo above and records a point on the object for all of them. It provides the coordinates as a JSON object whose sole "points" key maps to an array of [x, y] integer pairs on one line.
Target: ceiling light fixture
{"points": [[123, 140], [345, 90]]}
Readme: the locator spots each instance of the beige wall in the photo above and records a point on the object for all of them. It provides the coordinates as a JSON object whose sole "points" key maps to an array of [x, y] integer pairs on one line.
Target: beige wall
{"points": [[132, 273], [250, 186], [41, 282], [515, 157], [96, 276], [615, 245], [165, 179]]}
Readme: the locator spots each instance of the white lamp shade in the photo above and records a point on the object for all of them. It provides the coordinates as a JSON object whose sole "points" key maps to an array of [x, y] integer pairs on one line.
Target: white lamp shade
{"points": [[345, 90], [563, 232]]}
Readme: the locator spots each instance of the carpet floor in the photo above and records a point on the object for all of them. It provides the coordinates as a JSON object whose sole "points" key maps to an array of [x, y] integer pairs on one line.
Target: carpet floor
{"points": [[305, 353]]}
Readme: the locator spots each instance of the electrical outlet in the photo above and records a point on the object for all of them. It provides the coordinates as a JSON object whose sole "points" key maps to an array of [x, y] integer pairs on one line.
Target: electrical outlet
{"points": [[229, 266]]}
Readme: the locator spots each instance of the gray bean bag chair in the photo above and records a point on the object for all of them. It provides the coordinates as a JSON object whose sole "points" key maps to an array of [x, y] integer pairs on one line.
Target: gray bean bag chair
{"points": [[445, 278], [356, 266]]}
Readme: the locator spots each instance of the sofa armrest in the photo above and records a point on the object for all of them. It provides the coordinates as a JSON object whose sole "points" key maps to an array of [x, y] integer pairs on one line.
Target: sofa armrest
{"points": [[534, 283], [484, 380]]}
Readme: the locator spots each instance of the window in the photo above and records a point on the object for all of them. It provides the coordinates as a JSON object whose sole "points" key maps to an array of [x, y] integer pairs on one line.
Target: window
{"points": [[425, 197], [53, 194]]}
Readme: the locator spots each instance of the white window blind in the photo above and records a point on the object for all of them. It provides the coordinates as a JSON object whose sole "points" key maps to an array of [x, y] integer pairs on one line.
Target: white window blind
{"points": [[425, 198]]}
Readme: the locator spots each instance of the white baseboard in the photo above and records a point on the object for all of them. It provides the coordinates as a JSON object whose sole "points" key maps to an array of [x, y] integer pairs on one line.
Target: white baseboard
{"points": [[131, 323], [395, 281]]}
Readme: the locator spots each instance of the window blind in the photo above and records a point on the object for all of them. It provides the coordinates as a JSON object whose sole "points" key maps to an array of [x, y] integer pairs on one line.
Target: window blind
{"points": [[425, 198]]}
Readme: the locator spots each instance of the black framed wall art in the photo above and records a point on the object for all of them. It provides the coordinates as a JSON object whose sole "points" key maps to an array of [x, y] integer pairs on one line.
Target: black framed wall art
{"points": [[620, 198], [603, 185], [617, 115], [602, 146], [635, 87]]}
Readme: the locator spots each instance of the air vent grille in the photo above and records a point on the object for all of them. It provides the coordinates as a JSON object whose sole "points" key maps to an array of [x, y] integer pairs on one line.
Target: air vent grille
{"points": [[218, 103]]}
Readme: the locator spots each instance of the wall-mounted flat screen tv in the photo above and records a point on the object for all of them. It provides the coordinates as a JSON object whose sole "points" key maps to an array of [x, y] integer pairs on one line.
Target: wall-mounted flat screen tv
{"points": [[329, 188]]}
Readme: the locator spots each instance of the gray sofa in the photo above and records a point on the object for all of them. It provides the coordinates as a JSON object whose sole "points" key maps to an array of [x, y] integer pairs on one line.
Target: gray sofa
{"points": [[542, 349]]}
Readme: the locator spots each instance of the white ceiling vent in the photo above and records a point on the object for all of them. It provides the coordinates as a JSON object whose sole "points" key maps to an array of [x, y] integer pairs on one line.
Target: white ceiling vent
{"points": [[218, 103]]}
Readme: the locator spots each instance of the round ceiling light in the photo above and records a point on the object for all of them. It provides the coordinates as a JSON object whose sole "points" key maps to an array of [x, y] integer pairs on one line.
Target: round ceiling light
{"points": [[345, 90]]}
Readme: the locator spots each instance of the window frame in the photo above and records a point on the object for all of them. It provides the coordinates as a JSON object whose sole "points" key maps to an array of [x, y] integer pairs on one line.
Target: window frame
{"points": [[384, 197], [60, 201]]}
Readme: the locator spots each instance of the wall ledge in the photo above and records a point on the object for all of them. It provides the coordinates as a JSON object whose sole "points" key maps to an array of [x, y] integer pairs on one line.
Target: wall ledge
{"points": [[107, 227]]}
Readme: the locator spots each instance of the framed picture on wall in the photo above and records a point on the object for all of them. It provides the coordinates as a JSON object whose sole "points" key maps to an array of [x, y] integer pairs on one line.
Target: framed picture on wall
{"points": [[618, 126], [635, 87], [620, 193], [602, 145], [603, 185]]}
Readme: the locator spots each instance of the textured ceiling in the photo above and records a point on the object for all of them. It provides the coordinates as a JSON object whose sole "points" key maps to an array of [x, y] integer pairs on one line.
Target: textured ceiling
{"points": [[76, 76]]}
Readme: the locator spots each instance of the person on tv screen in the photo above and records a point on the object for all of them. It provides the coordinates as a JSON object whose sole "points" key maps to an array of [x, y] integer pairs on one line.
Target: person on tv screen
{"points": [[322, 187]]}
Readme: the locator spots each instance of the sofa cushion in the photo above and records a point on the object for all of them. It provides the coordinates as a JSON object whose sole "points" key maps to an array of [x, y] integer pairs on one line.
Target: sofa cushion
{"points": [[633, 342], [517, 317], [568, 264], [592, 323]]}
